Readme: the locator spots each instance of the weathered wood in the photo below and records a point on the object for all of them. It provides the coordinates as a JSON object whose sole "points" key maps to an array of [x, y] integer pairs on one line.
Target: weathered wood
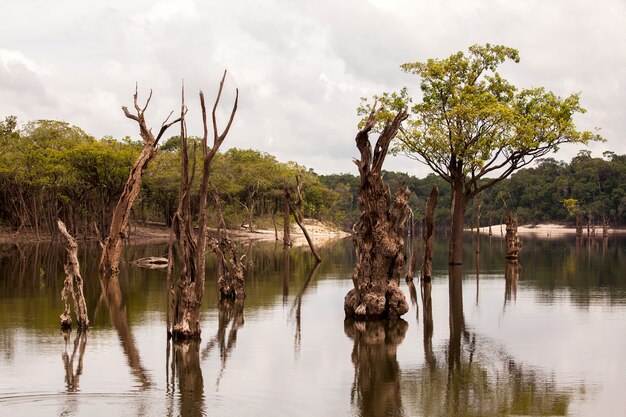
{"points": [[72, 278], [379, 232], [286, 216], [512, 242], [296, 209], [152, 262], [110, 258], [230, 268], [188, 289], [428, 234]]}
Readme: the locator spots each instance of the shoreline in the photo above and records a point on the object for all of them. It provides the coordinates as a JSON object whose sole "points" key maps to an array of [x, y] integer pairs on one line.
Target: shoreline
{"points": [[319, 232], [547, 230]]}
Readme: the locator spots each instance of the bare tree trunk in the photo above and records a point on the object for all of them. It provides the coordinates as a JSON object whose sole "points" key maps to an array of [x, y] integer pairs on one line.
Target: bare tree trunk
{"points": [[229, 267], [296, 208], [513, 244], [379, 232], [479, 204], [72, 277], [428, 234], [110, 259], [286, 215], [605, 227], [188, 290]]}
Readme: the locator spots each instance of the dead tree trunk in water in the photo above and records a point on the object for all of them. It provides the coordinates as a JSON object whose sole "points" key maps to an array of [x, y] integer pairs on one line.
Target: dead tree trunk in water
{"points": [[188, 290], [72, 277], [428, 235], [286, 213], [296, 209], [479, 205], [379, 232], [229, 267], [513, 244], [110, 259]]}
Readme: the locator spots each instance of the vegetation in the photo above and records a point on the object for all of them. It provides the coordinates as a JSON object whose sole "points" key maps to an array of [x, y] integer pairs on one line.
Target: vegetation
{"points": [[474, 128], [49, 167]]}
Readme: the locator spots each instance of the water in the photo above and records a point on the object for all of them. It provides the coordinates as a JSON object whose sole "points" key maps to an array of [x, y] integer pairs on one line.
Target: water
{"points": [[545, 337]]}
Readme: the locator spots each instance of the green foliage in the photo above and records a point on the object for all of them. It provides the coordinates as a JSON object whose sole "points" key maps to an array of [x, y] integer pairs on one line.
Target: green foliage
{"points": [[472, 123]]}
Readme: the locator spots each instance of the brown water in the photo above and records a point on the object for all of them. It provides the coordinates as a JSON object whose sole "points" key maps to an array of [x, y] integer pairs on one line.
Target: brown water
{"points": [[545, 337]]}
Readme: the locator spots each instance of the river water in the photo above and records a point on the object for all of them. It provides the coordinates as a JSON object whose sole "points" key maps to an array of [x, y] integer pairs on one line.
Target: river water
{"points": [[546, 336]]}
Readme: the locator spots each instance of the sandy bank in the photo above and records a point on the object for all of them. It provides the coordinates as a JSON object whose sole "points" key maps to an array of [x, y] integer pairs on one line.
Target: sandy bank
{"points": [[549, 229]]}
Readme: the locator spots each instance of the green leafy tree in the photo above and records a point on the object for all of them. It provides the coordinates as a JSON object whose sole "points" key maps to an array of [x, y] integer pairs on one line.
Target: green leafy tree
{"points": [[474, 128]]}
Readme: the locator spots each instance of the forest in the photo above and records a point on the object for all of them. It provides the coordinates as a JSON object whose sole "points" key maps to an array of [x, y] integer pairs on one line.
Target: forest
{"points": [[51, 169]]}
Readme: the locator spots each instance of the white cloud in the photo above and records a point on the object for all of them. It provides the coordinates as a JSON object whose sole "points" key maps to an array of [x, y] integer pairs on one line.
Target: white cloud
{"points": [[300, 67]]}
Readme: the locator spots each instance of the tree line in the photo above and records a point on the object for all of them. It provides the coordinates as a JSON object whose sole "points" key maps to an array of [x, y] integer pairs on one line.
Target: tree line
{"points": [[51, 168]]}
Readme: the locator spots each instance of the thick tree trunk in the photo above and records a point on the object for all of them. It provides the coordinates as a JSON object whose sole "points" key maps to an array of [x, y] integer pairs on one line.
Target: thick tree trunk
{"points": [[457, 224], [379, 232], [72, 277], [110, 259], [188, 290], [428, 234]]}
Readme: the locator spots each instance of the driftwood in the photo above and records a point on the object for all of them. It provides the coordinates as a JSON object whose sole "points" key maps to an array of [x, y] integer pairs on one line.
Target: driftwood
{"points": [[72, 278], [112, 244], [188, 289], [379, 232], [152, 262], [428, 233], [296, 209]]}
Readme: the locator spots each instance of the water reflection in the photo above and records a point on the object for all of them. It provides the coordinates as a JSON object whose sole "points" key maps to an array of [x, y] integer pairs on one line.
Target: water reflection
{"points": [[184, 371], [72, 377], [376, 387], [228, 312], [473, 376], [512, 272], [111, 296], [297, 306]]}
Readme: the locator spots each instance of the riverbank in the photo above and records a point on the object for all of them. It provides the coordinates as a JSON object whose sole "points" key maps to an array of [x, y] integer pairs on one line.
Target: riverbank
{"points": [[547, 230], [320, 234]]}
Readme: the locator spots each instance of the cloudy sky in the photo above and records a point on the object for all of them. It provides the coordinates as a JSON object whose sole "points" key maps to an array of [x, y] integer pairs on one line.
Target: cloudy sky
{"points": [[300, 66]]}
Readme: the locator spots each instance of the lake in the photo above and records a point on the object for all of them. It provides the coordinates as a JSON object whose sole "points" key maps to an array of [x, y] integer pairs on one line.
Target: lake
{"points": [[545, 336]]}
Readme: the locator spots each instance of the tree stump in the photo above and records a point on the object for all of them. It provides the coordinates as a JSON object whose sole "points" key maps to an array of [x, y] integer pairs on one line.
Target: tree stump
{"points": [[513, 244]]}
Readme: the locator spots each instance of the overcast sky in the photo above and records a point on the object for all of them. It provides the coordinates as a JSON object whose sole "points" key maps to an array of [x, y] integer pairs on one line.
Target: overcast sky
{"points": [[300, 66]]}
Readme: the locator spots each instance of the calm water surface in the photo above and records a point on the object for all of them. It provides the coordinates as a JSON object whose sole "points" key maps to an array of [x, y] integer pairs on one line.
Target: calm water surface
{"points": [[544, 337]]}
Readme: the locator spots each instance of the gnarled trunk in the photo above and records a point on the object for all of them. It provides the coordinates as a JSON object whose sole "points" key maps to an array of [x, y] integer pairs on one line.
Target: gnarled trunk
{"points": [[188, 289], [512, 242], [72, 277], [379, 232]]}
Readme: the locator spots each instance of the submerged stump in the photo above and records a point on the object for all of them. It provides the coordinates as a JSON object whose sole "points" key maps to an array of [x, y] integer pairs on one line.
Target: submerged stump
{"points": [[379, 232]]}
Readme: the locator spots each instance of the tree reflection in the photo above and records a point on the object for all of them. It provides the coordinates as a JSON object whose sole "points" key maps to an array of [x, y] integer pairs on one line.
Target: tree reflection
{"points": [[512, 272], [72, 377], [473, 376], [112, 297], [376, 386], [297, 306], [228, 312], [187, 375]]}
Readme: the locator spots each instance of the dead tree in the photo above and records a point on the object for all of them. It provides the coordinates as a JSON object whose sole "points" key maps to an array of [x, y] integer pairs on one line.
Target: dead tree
{"points": [[229, 266], [286, 215], [72, 278], [512, 241], [428, 233], [479, 205], [379, 232], [188, 289], [112, 245], [296, 209]]}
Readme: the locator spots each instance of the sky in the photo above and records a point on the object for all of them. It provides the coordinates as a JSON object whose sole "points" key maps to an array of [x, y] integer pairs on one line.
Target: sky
{"points": [[301, 67]]}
